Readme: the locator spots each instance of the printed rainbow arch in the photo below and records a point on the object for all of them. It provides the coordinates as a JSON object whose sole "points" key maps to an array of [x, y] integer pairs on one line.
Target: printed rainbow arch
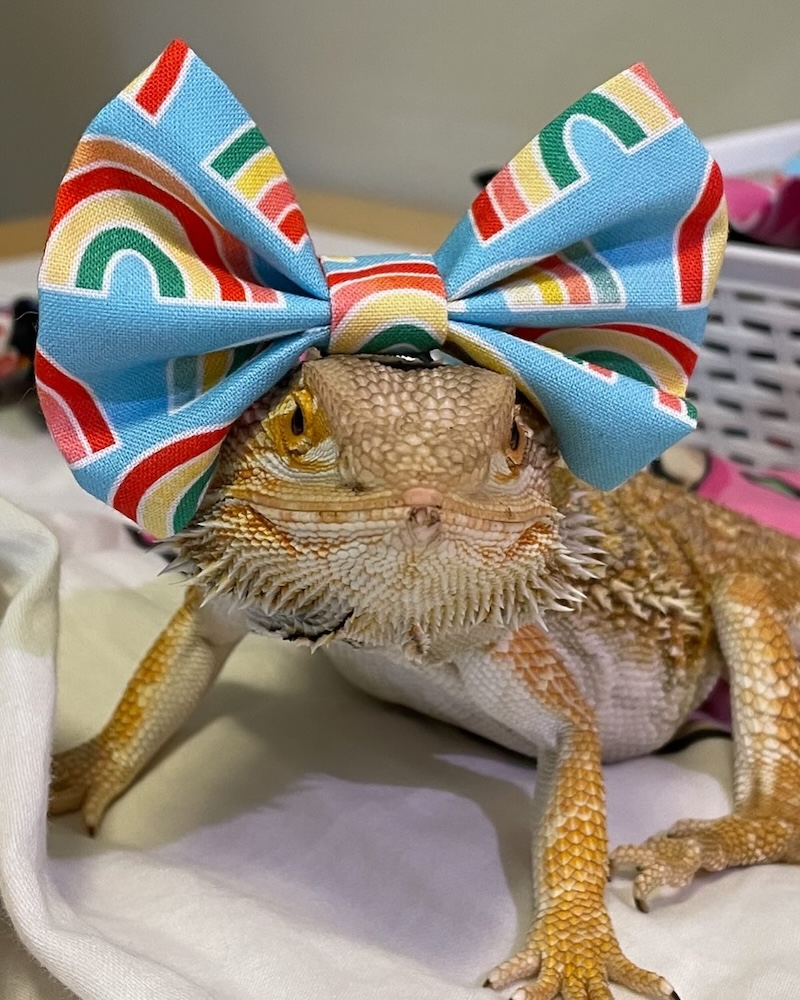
{"points": [[578, 276], [162, 489], [630, 108], [190, 256], [189, 376], [247, 167], [649, 354], [386, 302]]}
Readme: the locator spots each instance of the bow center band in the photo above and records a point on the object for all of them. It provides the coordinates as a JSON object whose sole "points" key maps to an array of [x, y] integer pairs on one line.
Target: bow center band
{"points": [[385, 303]]}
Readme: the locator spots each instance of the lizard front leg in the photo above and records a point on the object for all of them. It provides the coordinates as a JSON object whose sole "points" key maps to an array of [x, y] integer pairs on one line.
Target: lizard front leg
{"points": [[756, 640], [179, 667], [571, 949]]}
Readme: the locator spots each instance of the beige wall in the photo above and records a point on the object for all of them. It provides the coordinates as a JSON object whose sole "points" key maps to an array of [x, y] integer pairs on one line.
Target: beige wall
{"points": [[399, 98]]}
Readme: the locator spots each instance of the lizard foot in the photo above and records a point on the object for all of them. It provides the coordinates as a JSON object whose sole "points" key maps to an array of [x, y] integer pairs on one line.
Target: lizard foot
{"points": [[86, 778], [690, 846], [573, 952]]}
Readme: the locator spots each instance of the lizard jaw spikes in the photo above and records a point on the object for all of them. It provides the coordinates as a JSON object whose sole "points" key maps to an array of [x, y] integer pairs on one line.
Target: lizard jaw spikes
{"points": [[376, 583]]}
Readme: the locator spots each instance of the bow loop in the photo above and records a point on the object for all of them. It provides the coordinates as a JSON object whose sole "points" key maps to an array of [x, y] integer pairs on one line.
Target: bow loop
{"points": [[179, 284], [185, 121]]}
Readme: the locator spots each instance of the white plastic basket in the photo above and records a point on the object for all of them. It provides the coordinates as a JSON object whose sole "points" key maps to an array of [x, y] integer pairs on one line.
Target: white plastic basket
{"points": [[747, 382]]}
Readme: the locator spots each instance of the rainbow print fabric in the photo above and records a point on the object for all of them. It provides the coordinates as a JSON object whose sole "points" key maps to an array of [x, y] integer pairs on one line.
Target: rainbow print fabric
{"points": [[179, 284], [385, 303]]}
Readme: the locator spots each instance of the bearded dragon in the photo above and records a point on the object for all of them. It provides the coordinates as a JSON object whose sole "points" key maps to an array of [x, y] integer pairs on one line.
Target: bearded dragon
{"points": [[416, 520]]}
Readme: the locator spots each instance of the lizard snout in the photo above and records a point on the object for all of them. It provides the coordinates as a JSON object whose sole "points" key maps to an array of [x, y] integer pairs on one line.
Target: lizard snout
{"points": [[421, 496]]}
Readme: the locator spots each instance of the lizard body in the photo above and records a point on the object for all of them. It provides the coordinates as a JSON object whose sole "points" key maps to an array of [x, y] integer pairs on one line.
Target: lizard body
{"points": [[416, 521]]}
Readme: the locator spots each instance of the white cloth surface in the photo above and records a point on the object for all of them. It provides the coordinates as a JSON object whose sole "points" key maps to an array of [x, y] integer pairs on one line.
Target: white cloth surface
{"points": [[297, 839]]}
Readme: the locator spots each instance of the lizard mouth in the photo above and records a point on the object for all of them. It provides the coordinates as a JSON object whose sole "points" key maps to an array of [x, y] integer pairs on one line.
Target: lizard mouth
{"points": [[386, 506]]}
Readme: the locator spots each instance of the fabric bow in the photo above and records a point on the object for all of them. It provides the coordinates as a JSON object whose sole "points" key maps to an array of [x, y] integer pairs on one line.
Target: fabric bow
{"points": [[179, 284]]}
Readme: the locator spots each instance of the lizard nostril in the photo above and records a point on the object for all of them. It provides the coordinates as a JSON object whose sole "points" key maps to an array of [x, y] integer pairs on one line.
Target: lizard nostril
{"points": [[422, 496], [423, 517]]}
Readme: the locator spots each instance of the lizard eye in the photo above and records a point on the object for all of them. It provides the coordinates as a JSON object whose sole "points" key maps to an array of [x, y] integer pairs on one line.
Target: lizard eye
{"points": [[298, 423], [516, 444]]}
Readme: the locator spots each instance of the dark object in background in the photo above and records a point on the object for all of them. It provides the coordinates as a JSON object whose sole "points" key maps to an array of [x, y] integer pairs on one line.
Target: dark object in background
{"points": [[18, 327], [482, 177], [735, 236], [26, 324], [145, 541]]}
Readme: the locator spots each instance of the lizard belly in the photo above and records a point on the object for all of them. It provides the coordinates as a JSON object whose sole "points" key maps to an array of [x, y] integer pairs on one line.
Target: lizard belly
{"points": [[640, 697], [641, 685], [434, 689]]}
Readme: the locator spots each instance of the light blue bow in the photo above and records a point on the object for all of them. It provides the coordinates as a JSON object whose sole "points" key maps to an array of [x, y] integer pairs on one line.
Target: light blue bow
{"points": [[179, 284]]}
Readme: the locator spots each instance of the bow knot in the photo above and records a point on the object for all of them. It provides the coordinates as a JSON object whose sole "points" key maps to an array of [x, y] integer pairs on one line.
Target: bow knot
{"points": [[179, 284], [385, 303]]}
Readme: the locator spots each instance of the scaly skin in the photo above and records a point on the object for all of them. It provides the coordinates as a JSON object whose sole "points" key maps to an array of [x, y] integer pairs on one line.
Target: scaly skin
{"points": [[417, 522]]}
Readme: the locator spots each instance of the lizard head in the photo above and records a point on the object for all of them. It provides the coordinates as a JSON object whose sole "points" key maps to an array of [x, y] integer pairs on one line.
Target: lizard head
{"points": [[386, 502]]}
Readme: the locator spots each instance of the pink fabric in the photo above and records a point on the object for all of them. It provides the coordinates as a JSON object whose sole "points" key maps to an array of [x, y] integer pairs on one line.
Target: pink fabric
{"points": [[771, 497], [767, 213]]}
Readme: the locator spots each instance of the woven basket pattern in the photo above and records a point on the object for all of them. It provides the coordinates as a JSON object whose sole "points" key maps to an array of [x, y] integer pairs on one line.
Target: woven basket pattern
{"points": [[747, 382]]}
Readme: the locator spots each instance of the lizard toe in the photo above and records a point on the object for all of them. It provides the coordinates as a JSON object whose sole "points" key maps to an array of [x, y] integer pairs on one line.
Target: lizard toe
{"points": [[624, 972], [690, 827], [87, 779], [659, 861], [524, 965], [575, 958]]}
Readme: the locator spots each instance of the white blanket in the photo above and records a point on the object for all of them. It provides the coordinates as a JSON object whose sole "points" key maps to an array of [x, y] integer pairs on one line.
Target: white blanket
{"points": [[298, 839]]}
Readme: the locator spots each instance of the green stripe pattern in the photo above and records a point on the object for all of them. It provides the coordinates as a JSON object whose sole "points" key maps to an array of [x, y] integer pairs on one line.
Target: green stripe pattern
{"points": [[93, 265], [554, 150], [237, 153]]}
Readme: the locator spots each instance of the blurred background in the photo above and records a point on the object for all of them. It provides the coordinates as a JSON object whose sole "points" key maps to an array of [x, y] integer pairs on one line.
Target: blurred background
{"points": [[397, 100]]}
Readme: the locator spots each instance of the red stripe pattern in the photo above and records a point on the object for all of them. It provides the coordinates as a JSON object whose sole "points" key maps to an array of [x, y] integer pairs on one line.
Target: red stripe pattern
{"points": [[163, 79], [278, 205], [692, 250], [640, 71], [146, 473], [485, 217], [80, 406]]}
